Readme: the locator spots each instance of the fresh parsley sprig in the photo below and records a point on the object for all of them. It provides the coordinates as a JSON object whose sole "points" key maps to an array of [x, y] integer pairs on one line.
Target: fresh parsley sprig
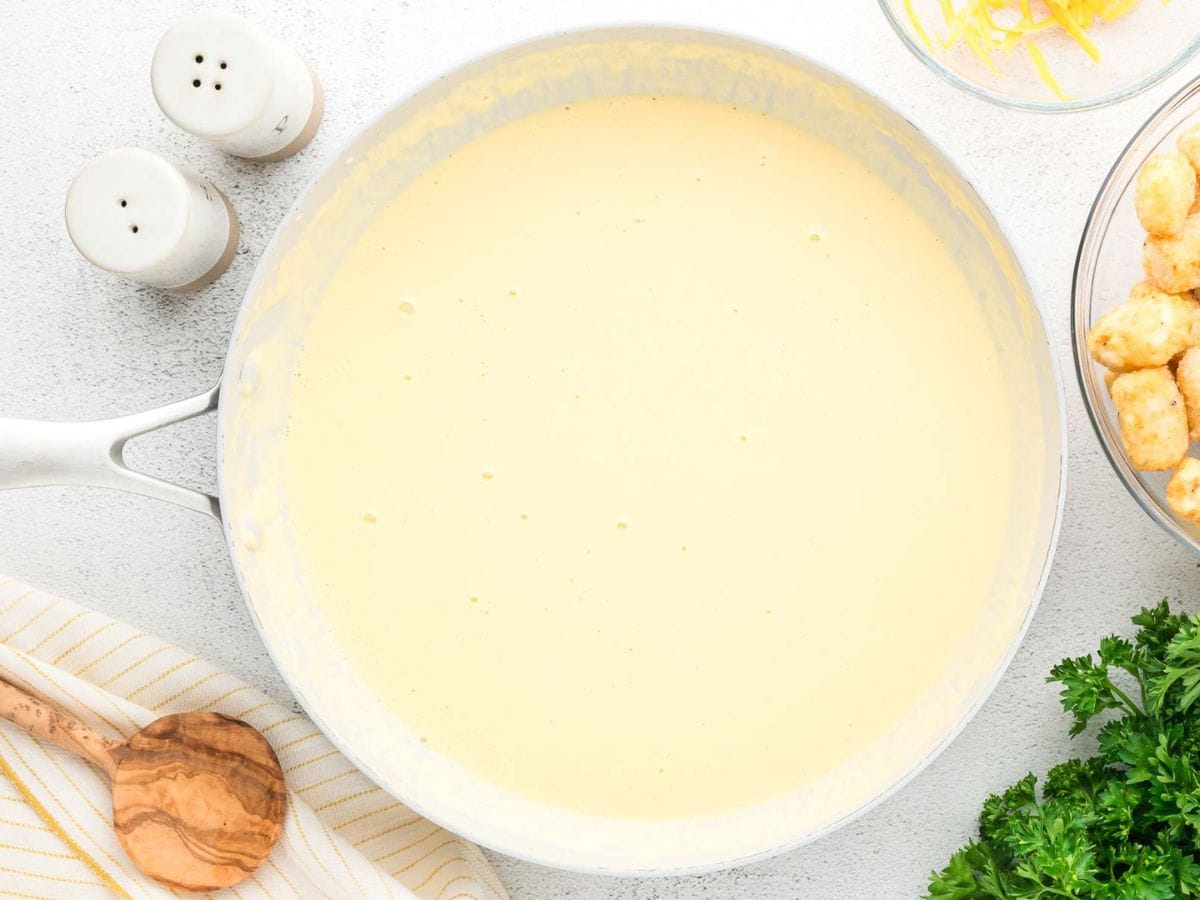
{"points": [[1123, 825]]}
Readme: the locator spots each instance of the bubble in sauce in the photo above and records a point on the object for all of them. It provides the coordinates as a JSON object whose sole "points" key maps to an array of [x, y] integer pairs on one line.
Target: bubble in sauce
{"points": [[248, 376], [251, 534]]}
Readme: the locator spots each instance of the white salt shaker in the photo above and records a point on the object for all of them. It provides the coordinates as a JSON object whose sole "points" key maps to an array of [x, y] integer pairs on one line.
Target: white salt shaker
{"points": [[137, 214], [226, 80]]}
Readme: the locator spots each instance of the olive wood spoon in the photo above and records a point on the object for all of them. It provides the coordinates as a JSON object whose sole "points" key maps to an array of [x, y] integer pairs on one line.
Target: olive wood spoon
{"points": [[198, 798]]}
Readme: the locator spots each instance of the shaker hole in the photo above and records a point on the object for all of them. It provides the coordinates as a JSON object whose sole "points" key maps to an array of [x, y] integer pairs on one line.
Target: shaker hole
{"points": [[217, 86], [199, 57], [133, 228], [124, 203], [224, 65], [195, 82]]}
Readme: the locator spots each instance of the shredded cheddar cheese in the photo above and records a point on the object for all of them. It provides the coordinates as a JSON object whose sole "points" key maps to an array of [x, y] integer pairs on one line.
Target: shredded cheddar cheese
{"points": [[987, 26]]}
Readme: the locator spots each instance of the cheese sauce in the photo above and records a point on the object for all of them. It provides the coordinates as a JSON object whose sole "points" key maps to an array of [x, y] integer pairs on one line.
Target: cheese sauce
{"points": [[649, 456]]}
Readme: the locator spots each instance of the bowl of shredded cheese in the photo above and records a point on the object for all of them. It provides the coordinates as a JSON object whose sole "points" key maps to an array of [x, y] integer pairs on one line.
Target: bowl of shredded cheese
{"points": [[1049, 55]]}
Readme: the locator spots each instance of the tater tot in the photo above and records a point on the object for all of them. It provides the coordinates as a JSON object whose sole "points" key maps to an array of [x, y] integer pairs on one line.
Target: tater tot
{"points": [[1146, 333], [1166, 190], [1153, 423], [1172, 262], [1187, 376], [1183, 490], [1143, 290], [1189, 145]]}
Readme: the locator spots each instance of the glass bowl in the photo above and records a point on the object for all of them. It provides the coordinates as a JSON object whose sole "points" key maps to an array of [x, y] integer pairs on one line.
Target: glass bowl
{"points": [[1153, 40], [1108, 265]]}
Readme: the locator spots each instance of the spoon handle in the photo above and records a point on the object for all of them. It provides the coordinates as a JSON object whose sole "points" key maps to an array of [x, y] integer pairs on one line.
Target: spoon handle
{"points": [[40, 718]]}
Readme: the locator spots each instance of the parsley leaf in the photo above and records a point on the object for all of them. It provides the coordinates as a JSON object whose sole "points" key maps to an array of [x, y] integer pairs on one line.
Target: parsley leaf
{"points": [[1125, 824]]}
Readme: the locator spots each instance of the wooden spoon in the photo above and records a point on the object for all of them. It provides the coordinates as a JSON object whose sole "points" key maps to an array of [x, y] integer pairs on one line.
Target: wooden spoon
{"points": [[198, 798]]}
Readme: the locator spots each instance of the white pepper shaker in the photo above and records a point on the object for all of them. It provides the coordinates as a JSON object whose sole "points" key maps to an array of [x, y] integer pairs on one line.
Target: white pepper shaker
{"points": [[134, 213], [226, 80]]}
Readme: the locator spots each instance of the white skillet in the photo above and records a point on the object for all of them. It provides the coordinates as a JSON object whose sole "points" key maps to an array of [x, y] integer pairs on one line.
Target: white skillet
{"points": [[254, 401]]}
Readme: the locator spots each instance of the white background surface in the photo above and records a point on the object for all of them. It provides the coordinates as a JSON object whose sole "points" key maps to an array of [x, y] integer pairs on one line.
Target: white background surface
{"points": [[76, 342]]}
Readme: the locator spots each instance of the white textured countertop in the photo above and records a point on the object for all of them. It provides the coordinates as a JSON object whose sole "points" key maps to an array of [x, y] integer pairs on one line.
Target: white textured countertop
{"points": [[78, 343]]}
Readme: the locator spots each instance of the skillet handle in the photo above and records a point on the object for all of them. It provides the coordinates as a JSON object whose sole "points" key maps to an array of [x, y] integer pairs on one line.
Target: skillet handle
{"points": [[93, 453]]}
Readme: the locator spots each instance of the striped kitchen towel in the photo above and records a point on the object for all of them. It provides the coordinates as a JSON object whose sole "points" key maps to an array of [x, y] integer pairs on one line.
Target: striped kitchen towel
{"points": [[343, 837]]}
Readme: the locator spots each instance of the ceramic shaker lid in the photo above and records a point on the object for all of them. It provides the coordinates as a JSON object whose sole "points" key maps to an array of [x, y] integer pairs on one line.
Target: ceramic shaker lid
{"points": [[135, 213], [224, 79]]}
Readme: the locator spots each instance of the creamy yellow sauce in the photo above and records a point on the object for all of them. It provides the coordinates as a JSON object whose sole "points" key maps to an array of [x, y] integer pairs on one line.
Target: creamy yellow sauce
{"points": [[649, 457]]}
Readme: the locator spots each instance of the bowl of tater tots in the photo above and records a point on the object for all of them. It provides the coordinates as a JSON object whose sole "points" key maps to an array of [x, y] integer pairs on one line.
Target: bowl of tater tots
{"points": [[1136, 316]]}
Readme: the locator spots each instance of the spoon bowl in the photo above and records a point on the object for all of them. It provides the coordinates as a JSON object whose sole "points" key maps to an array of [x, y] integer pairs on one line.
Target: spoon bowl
{"points": [[198, 800]]}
